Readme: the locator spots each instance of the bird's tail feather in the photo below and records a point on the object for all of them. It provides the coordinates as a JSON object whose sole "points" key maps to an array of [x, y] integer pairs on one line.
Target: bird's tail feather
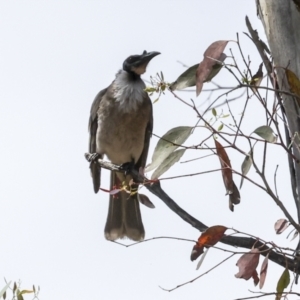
{"points": [[124, 216]]}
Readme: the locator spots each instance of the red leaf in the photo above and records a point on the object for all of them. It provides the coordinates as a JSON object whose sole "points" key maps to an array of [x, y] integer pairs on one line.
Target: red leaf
{"points": [[212, 54], [196, 252], [247, 264], [281, 225], [263, 271], [208, 238]]}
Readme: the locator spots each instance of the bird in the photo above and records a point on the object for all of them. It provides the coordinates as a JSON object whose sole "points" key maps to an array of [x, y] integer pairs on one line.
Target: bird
{"points": [[120, 127]]}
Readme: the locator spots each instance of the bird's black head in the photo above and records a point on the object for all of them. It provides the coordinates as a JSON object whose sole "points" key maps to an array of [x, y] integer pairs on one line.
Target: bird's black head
{"points": [[137, 64]]}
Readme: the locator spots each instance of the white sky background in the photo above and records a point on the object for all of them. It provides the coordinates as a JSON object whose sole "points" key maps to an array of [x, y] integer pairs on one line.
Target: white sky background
{"points": [[54, 58]]}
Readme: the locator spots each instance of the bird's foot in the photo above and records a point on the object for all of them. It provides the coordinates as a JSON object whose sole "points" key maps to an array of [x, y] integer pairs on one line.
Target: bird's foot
{"points": [[127, 167]]}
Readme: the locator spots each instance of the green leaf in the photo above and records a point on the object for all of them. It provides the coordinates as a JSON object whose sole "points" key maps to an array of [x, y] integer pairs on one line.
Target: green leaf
{"points": [[168, 163], [283, 283], [216, 68], [165, 146], [26, 292], [2, 292], [267, 133], [149, 89], [19, 295], [220, 127], [214, 112], [186, 79], [246, 165], [14, 288]]}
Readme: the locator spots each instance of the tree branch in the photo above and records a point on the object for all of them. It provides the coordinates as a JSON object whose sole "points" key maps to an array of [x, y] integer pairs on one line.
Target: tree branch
{"points": [[244, 242]]}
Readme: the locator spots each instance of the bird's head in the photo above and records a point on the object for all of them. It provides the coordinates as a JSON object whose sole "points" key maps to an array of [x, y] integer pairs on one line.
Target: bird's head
{"points": [[137, 64]]}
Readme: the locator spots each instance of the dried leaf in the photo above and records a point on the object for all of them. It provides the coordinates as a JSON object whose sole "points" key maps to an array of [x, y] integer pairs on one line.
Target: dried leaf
{"points": [[188, 77], [213, 52], [247, 264], [255, 278], [295, 235], [196, 252], [246, 165], [168, 163], [257, 78], [202, 259], [114, 191], [208, 238], [263, 271], [234, 197], [145, 200], [165, 145], [226, 167], [267, 133], [281, 225], [216, 67], [283, 283], [294, 83]]}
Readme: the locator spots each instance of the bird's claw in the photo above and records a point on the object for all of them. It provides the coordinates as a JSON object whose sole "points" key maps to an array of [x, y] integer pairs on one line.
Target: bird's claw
{"points": [[127, 167], [93, 158]]}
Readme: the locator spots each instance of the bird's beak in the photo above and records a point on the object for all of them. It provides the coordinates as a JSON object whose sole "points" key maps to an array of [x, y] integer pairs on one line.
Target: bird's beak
{"points": [[140, 65], [146, 57]]}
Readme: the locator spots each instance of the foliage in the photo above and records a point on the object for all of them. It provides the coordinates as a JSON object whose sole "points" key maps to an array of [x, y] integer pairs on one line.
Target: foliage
{"points": [[14, 291], [223, 135]]}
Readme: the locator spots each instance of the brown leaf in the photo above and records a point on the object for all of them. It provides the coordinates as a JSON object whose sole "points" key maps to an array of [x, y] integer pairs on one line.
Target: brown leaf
{"points": [[226, 168], [196, 252], [263, 271], [281, 225], [255, 278], [212, 54], [257, 78], [145, 200], [247, 264], [234, 197], [208, 238], [294, 83]]}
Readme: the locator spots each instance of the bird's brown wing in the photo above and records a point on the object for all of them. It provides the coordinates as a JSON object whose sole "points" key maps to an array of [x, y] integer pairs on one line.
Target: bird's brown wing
{"points": [[93, 125], [143, 158]]}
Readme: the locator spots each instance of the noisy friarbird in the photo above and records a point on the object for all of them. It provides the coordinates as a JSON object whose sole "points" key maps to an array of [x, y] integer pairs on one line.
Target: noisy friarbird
{"points": [[120, 127]]}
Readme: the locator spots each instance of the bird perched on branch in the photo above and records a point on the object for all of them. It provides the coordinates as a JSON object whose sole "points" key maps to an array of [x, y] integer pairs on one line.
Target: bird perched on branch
{"points": [[120, 127]]}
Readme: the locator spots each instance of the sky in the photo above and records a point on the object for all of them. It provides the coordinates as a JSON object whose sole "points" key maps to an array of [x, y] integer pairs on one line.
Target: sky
{"points": [[55, 56]]}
